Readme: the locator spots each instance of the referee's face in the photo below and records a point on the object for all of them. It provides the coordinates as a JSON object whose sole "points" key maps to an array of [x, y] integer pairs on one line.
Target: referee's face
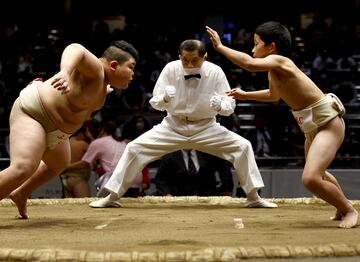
{"points": [[191, 59]]}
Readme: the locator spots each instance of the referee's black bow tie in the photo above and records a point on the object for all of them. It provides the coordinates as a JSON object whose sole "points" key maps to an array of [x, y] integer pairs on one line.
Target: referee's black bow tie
{"points": [[190, 76]]}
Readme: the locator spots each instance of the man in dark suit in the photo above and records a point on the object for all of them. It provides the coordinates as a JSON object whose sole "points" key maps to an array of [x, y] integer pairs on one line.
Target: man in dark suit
{"points": [[176, 177]]}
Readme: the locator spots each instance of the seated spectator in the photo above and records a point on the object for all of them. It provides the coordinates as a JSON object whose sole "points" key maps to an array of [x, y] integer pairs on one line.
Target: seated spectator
{"points": [[345, 88], [346, 62], [323, 61], [135, 126], [75, 180], [263, 137], [178, 176], [106, 151]]}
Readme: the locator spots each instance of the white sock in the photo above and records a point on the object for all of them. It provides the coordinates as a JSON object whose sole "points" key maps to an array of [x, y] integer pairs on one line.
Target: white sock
{"points": [[253, 195], [113, 196]]}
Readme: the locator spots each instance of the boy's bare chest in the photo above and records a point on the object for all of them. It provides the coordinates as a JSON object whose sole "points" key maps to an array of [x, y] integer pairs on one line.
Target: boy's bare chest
{"points": [[87, 101]]}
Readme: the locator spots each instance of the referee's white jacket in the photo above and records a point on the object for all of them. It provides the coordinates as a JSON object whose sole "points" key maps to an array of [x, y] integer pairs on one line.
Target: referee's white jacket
{"points": [[190, 123]]}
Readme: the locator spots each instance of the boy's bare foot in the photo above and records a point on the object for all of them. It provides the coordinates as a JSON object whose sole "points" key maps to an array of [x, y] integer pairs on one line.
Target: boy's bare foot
{"points": [[349, 220], [20, 202], [338, 216]]}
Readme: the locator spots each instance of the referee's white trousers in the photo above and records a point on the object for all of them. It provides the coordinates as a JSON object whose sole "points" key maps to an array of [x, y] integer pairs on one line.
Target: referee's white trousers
{"points": [[173, 134]]}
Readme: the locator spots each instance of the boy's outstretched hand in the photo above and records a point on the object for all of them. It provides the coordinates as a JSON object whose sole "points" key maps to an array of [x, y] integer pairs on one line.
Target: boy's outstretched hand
{"points": [[214, 37], [237, 93]]}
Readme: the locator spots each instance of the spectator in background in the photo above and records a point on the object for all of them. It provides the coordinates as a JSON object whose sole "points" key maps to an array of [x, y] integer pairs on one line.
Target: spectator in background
{"points": [[344, 87], [294, 143], [75, 180], [211, 177], [135, 126], [263, 138], [346, 62], [323, 62], [134, 99], [319, 34], [103, 154]]}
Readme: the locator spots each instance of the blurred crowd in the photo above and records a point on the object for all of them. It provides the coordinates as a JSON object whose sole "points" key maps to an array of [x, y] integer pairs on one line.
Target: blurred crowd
{"points": [[324, 46]]}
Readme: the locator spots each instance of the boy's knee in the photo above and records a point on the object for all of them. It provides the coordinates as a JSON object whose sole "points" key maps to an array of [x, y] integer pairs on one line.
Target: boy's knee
{"points": [[23, 169], [310, 181]]}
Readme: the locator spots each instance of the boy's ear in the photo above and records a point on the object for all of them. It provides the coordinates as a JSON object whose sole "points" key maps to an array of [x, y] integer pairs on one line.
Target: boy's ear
{"points": [[273, 47], [114, 64]]}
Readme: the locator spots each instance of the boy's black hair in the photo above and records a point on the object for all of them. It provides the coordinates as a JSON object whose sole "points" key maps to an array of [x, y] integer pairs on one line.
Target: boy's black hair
{"points": [[121, 51], [274, 32]]}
